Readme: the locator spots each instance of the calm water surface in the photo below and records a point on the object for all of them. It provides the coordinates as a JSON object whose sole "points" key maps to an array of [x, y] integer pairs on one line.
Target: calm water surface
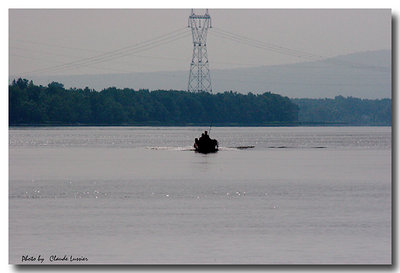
{"points": [[302, 195]]}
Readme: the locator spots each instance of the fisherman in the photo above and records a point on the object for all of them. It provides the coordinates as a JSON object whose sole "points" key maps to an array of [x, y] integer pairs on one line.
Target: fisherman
{"points": [[205, 143]]}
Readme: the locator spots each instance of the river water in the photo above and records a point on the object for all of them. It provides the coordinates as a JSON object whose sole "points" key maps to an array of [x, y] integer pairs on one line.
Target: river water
{"points": [[141, 195]]}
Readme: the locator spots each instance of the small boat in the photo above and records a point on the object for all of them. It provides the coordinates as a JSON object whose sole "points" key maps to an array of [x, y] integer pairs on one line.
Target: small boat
{"points": [[205, 144]]}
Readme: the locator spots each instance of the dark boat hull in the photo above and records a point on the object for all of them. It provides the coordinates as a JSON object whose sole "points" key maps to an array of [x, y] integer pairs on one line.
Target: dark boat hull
{"points": [[205, 144], [205, 149]]}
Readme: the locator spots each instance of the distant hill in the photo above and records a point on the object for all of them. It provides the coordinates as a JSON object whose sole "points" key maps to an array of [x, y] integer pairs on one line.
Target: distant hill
{"points": [[363, 75]]}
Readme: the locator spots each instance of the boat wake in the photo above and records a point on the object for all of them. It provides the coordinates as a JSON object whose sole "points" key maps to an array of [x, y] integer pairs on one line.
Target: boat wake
{"points": [[243, 147], [166, 148], [233, 148], [288, 147], [189, 148]]}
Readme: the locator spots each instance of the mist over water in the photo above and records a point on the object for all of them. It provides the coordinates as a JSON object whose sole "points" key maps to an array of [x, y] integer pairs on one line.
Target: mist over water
{"points": [[302, 195]]}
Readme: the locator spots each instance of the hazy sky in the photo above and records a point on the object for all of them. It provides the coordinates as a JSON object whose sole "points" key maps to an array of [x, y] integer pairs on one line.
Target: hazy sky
{"points": [[46, 41]]}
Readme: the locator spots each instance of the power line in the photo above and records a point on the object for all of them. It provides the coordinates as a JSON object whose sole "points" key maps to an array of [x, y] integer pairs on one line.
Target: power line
{"points": [[108, 55], [54, 45], [263, 45], [41, 59], [116, 53], [181, 33], [122, 54], [49, 53], [292, 52]]}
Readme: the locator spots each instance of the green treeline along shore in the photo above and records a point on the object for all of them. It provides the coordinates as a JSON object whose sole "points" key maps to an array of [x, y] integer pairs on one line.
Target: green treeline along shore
{"points": [[30, 104]]}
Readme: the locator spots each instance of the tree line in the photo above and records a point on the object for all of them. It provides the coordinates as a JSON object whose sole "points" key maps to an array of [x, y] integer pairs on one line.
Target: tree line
{"points": [[341, 110], [30, 104]]}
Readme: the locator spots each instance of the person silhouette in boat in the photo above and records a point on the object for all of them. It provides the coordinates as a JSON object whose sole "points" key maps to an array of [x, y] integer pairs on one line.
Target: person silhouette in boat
{"points": [[205, 143], [204, 138]]}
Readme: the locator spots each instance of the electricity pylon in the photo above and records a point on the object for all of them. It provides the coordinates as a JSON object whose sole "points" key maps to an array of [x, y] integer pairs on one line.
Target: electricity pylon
{"points": [[199, 77]]}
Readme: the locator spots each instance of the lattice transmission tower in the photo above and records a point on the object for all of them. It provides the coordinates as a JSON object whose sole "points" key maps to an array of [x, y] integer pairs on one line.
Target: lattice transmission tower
{"points": [[199, 77]]}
